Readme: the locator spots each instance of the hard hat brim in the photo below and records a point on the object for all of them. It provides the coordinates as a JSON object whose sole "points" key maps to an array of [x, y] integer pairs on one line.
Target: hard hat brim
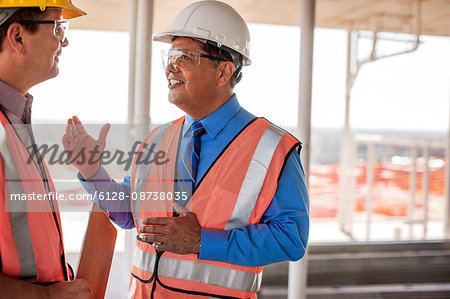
{"points": [[73, 12]]}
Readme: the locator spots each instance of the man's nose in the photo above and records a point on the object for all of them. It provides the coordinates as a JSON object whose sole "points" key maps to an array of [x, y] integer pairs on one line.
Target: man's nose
{"points": [[171, 68], [65, 42]]}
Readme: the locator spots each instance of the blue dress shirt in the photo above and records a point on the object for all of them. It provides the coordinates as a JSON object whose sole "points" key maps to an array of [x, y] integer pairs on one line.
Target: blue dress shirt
{"points": [[282, 233]]}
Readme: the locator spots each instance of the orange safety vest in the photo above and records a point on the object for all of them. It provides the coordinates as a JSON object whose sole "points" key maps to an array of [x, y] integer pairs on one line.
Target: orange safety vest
{"points": [[235, 192], [30, 233]]}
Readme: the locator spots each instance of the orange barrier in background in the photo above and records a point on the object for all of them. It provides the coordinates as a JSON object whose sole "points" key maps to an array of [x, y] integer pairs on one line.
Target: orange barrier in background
{"points": [[391, 194]]}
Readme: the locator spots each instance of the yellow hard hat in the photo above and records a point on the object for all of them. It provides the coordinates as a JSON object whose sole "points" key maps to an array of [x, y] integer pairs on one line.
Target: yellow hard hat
{"points": [[69, 10]]}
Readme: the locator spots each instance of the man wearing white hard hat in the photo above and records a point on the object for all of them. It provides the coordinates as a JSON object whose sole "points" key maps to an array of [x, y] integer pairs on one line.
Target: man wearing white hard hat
{"points": [[225, 193], [32, 259]]}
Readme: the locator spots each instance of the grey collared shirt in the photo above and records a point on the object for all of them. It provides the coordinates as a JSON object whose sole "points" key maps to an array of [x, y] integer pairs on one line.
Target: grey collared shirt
{"points": [[17, 108]]}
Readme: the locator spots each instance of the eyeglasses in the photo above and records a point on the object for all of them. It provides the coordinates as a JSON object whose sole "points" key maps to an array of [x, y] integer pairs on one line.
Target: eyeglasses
{"points": [[59, 30], [184, 60]]}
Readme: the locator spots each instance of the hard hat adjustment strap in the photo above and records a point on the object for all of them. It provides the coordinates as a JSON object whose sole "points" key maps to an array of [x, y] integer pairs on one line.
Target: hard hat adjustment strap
{"points": [[235, 56], [237, 73]]}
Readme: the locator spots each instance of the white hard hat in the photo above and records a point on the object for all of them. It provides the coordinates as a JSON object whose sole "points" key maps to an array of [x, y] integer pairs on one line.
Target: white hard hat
{"points": [[212, 21]]}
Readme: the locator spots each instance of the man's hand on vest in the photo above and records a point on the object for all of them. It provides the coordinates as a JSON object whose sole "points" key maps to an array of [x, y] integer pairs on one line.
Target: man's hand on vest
{"points": [[174, 234], [84, 152]]}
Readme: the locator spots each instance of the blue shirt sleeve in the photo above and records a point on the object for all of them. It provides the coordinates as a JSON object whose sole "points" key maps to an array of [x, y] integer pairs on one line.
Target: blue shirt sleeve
{"points": [[112, 197], [282, 233]]}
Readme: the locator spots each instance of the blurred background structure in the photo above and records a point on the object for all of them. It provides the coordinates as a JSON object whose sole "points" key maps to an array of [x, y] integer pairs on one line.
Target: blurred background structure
{"points": [[365, 85]]}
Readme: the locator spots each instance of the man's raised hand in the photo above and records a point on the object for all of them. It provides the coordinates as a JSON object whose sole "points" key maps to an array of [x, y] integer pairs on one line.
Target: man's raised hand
{"points": [[83, 151]]}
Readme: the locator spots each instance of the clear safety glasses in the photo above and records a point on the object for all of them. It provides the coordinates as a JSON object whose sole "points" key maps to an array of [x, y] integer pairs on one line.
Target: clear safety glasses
{"points": [[184, 60], [59, 30]]}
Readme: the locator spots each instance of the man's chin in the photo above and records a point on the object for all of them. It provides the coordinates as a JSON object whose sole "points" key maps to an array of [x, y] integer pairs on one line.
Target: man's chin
{"points": [[49, 76], [173, 98], [54, 73]]}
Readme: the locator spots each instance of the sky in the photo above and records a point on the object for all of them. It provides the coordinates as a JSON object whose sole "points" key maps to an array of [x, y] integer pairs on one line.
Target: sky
{"points": [[407, 92]]}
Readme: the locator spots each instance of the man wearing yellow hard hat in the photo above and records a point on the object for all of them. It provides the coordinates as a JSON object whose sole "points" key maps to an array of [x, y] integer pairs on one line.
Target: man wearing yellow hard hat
{"points": [[32, 259]]}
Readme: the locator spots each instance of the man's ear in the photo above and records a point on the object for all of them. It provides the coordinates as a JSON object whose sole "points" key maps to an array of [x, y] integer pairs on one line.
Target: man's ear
{"points": [[224, 72], [15, 38]]}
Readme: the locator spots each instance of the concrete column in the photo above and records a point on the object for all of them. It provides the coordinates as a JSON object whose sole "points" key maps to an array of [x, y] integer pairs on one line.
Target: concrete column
{"points": [[447, 184], [298, 271], [344, 211], [132, 24], [130, 235], [143, 61]]}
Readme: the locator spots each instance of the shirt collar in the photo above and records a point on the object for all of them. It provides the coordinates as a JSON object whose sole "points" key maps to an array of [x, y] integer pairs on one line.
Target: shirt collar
{"points": [[215, 122], [14, 101]]}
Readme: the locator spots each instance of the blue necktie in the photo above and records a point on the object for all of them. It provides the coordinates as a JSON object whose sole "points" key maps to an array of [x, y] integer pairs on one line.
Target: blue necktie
{"points": [[197, 132], [187, 169]]}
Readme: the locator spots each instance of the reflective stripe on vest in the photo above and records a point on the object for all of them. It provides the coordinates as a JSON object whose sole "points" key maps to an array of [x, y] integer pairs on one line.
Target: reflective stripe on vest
{"points": [[144, 169], [254, 178], [19, 220], [29, 241], [199, 272]]}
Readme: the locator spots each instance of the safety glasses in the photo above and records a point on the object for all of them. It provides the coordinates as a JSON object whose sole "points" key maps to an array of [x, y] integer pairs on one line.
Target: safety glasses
{"points": [[59, 30], [184, 60]]}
